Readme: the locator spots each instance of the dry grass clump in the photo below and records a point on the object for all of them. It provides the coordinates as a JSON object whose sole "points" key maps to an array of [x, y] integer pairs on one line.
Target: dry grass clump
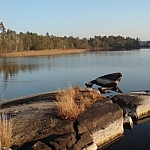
{"points": [[74, 101], [5, 131]]}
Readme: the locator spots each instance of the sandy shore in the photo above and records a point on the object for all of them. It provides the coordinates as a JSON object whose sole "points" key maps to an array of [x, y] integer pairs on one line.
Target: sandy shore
{"points": [[42, 52]]}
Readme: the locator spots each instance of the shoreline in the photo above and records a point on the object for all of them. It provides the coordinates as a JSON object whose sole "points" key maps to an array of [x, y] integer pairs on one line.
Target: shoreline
{"points": [[42, 52]]}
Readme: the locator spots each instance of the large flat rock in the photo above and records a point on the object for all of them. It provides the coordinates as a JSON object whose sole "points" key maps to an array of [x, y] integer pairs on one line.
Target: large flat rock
{"points": [[104, 121], [35, 122]]}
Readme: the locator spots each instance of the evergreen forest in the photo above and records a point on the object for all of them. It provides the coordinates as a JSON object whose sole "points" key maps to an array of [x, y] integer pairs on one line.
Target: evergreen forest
{"points": [[12, 41]]}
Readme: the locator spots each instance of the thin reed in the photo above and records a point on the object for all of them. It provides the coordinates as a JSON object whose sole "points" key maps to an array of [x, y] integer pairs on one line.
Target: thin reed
{"points": [[5, 131]]}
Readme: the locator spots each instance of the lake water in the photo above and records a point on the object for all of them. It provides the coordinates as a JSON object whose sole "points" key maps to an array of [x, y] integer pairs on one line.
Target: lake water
{"points": [[30, 75]]}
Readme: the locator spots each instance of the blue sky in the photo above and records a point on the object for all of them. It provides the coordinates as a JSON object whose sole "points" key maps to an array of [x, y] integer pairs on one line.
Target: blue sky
{"points": [[82, 18]]}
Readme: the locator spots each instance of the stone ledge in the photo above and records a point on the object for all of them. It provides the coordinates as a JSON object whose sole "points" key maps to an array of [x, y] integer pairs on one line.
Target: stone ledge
{"points": [[135, 106], [100, 125]]}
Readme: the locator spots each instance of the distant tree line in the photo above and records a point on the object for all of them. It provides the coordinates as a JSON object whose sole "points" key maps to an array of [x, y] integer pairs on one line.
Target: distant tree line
{"points": [[11, 41]]}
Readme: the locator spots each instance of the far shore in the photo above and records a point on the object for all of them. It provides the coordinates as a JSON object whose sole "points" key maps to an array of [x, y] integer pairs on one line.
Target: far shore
{"points": [[42, 52]]}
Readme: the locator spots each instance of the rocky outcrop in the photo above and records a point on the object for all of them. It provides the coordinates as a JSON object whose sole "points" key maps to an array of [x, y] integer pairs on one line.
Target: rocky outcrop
{"points": [[36, 126], [99, 125], [133, 105], [104, 122], [36, 123]]}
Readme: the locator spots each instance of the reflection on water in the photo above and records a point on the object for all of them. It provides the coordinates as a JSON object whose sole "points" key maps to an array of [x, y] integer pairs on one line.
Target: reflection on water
{"points": [[29, 75], [9, 68]]}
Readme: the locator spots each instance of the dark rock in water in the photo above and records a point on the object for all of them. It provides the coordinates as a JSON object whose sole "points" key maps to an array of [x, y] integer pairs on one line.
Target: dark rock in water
{"points": [[115, 88], [128, 123], [142, 92], [107, 82]]}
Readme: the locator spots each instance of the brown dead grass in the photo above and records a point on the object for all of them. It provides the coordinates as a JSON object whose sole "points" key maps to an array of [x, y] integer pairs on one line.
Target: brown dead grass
{"points": [[42, 52], [74, 101], [5, 131]]}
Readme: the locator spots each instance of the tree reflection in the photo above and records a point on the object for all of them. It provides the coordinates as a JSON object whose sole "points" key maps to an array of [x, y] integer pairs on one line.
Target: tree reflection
{"points": [[9, 68]]}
